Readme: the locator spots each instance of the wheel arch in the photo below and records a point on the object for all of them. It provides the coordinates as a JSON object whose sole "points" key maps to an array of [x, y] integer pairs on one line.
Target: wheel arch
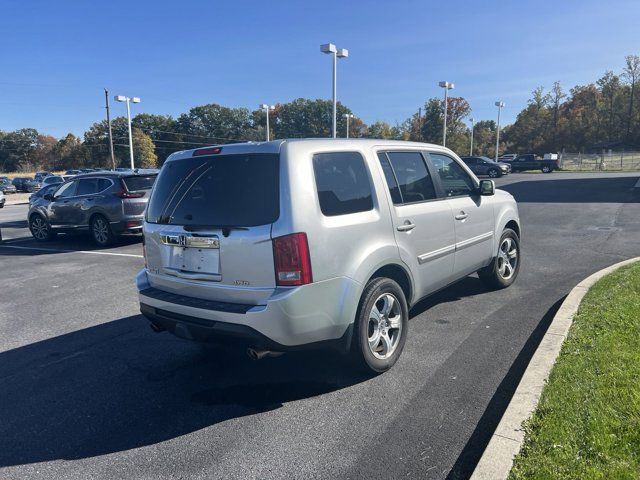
{"points": [[397, 273]]}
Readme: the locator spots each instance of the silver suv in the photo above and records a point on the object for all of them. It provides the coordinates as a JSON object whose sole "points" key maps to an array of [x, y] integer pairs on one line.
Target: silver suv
{"points": [[300, 243]]}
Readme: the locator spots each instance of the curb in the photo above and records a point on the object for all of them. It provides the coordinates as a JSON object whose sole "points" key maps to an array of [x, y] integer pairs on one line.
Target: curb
{"points": [[505, 443]]}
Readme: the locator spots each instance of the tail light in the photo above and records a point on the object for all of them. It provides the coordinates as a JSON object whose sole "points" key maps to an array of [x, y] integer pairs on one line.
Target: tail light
{"points": [[292, 260], [124, 193]]}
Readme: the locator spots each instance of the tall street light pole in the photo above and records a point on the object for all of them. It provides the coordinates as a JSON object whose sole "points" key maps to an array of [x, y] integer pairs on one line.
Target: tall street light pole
{"points": [[447, 86], [113, 158], [330, 48], [128, 100], [267, 109], [500, 105], [348, 116], [471, 147]]}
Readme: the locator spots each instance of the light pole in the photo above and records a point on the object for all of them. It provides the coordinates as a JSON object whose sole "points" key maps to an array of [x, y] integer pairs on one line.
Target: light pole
{"points": [[498, 104], [447, 86], [471, 148], [348, 116], [330, 48], [267, 109], [128, 100]]}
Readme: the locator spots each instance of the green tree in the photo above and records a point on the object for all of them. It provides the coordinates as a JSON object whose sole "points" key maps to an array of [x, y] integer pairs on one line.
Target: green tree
{"points": [[17, 150], [70, 153], [383, 130], [631, 73], [144, 155]]}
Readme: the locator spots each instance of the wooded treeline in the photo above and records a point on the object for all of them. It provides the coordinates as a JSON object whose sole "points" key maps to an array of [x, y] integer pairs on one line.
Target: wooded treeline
{"points": [[603, 114]]}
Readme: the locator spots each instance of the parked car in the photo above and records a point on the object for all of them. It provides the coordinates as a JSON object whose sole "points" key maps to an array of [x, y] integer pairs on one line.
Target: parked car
{"points": [[6, 186], [2, 199], [507, 157], [486, 166], [528, 161], [25, 184], [39, 176], [52, 179], [105, 203], [72, 172], [42, 192], [304, 243]]}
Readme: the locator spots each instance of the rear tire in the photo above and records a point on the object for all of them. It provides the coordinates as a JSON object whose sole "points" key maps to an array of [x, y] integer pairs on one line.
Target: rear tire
{"points": [[40, 228], [381, 326], [101, 231], [546, 169], [503, 269]]}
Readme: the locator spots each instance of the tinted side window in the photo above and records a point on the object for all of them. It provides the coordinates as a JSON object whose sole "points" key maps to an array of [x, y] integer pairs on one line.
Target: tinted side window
{"points": [[392, 183], [455, 180], [87, 186], [67, 190], [415, 182], [103, 184], [342, 182]]}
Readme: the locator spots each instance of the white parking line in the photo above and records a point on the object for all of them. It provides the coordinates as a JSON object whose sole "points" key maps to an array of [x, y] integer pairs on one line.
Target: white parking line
{"points": [[72, 251], [637, 185]]}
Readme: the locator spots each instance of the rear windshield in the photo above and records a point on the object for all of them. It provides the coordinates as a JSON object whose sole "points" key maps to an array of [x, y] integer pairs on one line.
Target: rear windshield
{"points": [[222, 190], [139, 183]]}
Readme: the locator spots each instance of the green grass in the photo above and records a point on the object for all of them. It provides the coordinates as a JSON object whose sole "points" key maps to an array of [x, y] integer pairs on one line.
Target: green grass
{"points": [[587, 424]]}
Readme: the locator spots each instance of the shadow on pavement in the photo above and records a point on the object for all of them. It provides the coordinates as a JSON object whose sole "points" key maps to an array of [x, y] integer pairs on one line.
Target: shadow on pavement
{"points": [[578, 190], [62, 244], [470, 455], [118, 386]]}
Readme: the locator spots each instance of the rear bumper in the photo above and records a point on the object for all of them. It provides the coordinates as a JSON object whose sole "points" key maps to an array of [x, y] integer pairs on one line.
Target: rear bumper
{"points": [[319, 314], [131, 224]]}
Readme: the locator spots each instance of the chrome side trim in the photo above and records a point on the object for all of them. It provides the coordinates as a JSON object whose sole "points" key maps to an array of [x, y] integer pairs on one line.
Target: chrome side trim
{"points": [[474, 240], [439, 253]]}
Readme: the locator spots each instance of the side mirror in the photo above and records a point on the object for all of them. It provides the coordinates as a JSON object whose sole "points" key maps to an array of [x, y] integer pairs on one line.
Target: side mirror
{"points": [[48, 196], [487, 187]]}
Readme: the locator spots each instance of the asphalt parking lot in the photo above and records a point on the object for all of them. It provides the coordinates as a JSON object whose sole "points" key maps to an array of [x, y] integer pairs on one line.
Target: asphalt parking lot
{"points": [[89, 391]]}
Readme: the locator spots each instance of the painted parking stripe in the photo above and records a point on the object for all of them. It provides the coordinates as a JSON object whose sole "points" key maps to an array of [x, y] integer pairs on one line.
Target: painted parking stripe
{"points": [[72, 251], [637, 185]]}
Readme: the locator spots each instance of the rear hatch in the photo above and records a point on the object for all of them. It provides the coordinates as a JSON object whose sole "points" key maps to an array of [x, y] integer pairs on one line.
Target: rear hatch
{"points": [[135, 193], [208, 227]]}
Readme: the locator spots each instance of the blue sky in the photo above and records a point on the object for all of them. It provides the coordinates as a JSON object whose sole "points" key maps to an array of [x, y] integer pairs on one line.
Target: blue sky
{"points": [[57, 56]]}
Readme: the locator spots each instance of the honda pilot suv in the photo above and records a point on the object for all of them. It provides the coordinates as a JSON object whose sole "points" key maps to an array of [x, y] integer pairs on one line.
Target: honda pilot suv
{"points": [[303, 243]]}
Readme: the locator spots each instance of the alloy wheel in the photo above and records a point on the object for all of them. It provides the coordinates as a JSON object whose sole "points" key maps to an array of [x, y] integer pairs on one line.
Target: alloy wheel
{"points": [[507, 258], [100, 230], [385, 326], [39, 228]]}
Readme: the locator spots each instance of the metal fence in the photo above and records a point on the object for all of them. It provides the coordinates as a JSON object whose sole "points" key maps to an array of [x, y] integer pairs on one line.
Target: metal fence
{"points": [[603, 161]]}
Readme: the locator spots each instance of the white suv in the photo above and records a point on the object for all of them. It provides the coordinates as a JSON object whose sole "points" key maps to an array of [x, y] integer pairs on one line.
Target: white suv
{"points": [[318, 242]]}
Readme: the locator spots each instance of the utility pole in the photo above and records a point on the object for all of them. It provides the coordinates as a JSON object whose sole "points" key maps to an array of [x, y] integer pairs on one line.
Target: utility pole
{"points": [[113, 159], [420, 123]]}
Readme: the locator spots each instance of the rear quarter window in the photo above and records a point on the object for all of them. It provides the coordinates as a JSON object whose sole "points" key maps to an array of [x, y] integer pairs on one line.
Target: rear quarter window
{"points": [[342, 182]]}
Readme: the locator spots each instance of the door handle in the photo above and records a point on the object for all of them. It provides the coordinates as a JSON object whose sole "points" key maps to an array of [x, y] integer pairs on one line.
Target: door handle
{"points": [[461, 215], [406, 227]]}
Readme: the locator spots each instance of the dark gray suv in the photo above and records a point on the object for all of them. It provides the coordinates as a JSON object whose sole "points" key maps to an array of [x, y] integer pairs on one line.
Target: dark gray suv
{"points": [[105, 203]]}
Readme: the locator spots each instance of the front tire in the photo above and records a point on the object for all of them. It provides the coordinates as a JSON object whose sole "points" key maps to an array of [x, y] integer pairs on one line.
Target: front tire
{"points": [[101, 231], [40, 228], [503, 269], [494, 173], [381, 326]]}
